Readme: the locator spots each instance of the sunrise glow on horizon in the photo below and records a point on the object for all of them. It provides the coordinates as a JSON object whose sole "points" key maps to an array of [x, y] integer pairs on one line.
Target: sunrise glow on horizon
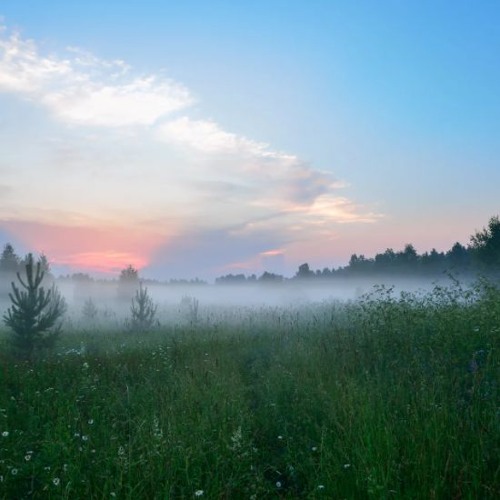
{"points": [[202, 139]]}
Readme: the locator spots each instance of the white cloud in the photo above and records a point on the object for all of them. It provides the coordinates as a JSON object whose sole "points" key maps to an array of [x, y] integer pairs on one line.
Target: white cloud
{"points": [[207, 137], [23, 71], [86, 90], [140, 102], [190, 172]]}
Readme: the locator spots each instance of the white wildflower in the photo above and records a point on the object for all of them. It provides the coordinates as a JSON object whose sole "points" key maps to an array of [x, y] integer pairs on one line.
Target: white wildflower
{"points": [[199, 493], [56, 481], [5, 434]]}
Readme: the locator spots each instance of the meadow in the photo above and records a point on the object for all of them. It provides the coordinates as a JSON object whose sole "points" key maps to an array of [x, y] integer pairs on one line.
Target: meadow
{"points": [[387, 396]]}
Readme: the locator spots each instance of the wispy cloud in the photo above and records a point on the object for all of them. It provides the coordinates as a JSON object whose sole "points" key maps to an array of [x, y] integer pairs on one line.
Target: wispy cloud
{"points": [[222, 197], [85, 90], [206, 136]]}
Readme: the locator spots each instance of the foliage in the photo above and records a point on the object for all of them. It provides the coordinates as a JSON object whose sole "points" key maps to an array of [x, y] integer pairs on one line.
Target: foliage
{"points": [[486, 244], [190, 307], [128, 283], [143, 311], [89, 310], [393, 396], [9, 261], [35, 312]]}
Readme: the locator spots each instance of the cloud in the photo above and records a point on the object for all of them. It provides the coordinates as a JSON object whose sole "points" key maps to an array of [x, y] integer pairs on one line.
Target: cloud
{"points": [[203, 197], [207, 137], [273, 179], [107, 248], [5, 190], [208, 253], [140, 102], [82, 89]]}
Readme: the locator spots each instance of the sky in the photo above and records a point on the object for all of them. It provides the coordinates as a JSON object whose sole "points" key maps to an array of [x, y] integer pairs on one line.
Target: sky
{"points": [[201, 138]]}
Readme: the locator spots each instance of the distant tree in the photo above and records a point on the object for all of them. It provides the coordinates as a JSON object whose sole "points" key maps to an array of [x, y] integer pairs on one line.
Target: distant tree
{"points": [[143, 311], [407, 259], [231, 279], [35, 312], [385, 261], [485, 245], [326, 273], [458, 257], [267, 277], [360, 265], [433, 262], [9, 261], [89, 310], [128, 282], [81, 278], [304, 272], [190, 308]]}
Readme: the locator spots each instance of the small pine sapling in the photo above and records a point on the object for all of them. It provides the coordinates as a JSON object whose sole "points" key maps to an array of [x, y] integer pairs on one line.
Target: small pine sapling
{"points": [[35, 312], [143, 311], [89, 310]]}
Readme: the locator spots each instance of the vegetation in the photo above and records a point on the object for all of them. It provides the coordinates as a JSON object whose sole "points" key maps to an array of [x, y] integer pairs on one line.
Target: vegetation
{"points": [[482, 256], [128, 283], [389, 396], [35, 311], [143, 311]]}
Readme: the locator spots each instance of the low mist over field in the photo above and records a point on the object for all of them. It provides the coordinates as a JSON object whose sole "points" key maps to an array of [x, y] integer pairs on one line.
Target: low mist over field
{"points": [[249, 250]]}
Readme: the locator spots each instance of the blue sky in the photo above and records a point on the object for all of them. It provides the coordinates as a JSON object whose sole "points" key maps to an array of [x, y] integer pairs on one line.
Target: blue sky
{"points": [[197, 138]]}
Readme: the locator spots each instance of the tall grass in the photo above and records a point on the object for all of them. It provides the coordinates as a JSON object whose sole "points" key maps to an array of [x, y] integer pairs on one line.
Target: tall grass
{"points": [[387, 397]]}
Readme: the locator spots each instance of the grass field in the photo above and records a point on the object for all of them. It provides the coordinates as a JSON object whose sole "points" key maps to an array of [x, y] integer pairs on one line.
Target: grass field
{"points": [[386, 397]]}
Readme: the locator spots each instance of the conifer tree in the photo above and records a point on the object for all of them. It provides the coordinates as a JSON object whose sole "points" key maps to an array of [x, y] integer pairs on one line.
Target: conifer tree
{"points": [[35, 312], [143, 310], [127, 283]]}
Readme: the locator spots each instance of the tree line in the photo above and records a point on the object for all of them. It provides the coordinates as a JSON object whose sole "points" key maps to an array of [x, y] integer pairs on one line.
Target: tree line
{"points": [[480, 256]]}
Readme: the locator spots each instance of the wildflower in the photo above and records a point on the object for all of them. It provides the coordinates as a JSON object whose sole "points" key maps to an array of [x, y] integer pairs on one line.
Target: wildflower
{"points": [[314, 448], [27, 458], [280, 437], [56, 481], [85, 438], [5, 434], [91, 421], [321, 486], [236, 438], [198, 493], [14, 472], [85, 365], [346, 466], [278, 484]]}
